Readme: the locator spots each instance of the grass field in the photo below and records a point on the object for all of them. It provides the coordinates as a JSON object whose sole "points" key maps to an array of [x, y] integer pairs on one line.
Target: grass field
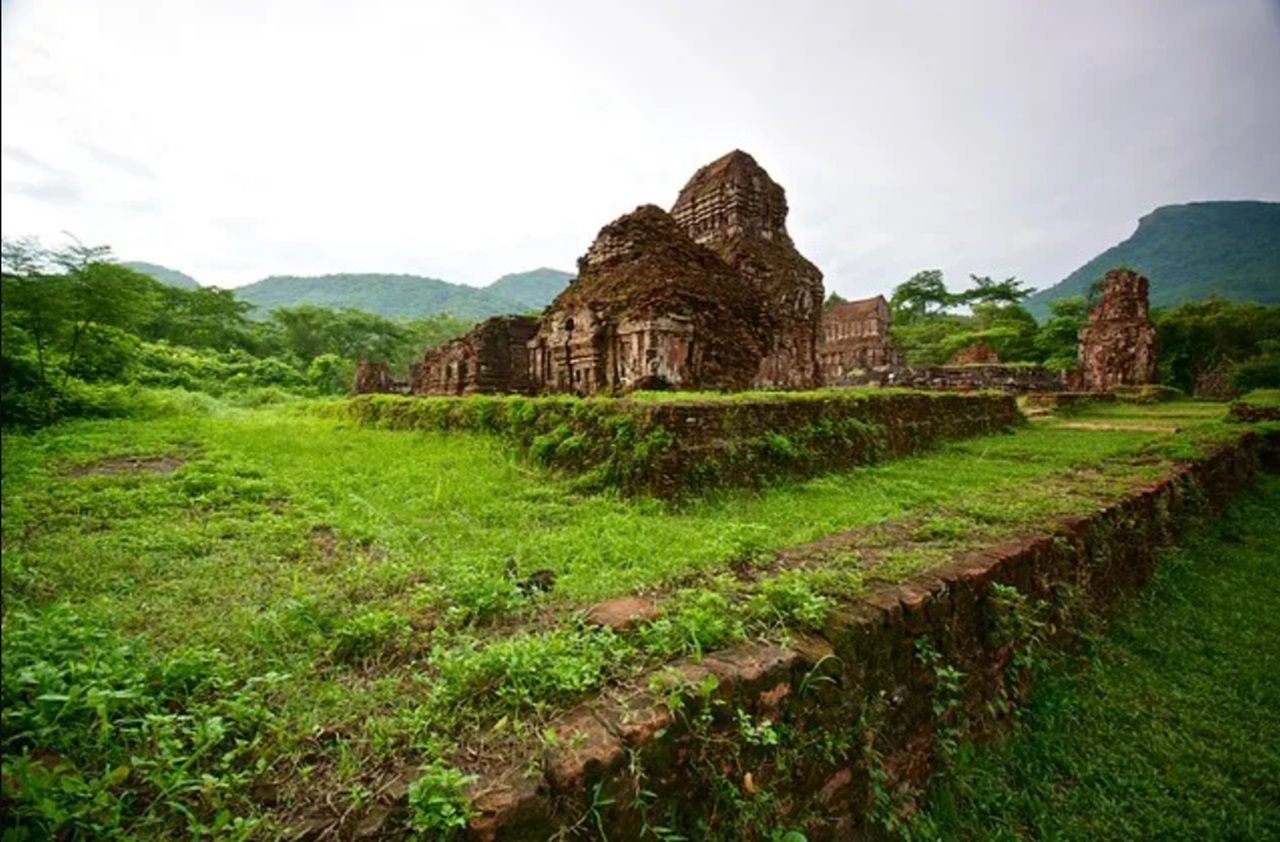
{"points": [[1169, 731], [211, 621]]}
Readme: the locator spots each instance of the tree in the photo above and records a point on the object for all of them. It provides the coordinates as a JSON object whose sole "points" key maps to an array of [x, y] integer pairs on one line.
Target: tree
{"points": [[201, 318], [987, 291], [1057, 342], [929, 334], [310, 331], [99, 292], [923, 295], [1198, 337]]}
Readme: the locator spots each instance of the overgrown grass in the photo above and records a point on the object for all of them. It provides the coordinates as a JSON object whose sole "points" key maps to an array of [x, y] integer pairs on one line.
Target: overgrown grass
{"points": [[1170, 731], [358, 593]]}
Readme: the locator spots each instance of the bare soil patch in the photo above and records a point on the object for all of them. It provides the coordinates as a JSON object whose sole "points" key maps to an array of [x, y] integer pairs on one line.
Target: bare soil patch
{"points": [[129, 465]]}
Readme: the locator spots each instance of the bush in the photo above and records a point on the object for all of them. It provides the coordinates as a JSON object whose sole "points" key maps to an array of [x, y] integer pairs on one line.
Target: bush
{"points": [[1256, 374]]}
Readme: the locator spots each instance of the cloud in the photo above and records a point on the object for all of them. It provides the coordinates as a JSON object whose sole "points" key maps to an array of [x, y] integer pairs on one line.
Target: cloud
{"points": [[25, 158], [113, 159], [239, 139]]}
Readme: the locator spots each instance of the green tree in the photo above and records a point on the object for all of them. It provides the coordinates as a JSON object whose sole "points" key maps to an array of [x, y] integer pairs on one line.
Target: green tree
{"points": [[987, 291], [924, 294], [201, 318], [1057, 342], [1198, 337]]}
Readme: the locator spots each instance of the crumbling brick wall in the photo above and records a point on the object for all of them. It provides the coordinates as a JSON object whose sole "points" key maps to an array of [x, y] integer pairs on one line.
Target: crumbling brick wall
{"points": [[371, 378], [492, 358], [980, 353]]}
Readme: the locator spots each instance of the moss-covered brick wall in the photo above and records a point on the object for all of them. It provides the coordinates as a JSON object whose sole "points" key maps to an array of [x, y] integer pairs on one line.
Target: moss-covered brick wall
{"points": [[674, 447], [837, 732]]}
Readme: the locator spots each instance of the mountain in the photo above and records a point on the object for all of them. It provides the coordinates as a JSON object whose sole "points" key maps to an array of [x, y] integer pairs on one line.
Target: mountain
{"points": [[402, 296], [1188, 252], [163, 274], [532, 289]]}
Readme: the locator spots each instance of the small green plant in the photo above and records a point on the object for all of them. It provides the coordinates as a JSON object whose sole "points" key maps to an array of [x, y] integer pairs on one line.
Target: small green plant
{"points": [[364, 636], [1020, 628], [789, 598], [438, 803], [764, 733], [698, 621], [105, 740], [948, 699]]}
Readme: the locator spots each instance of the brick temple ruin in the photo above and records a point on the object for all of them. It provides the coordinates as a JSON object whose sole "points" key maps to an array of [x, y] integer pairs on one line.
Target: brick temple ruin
{"points": [[650, 309], [492, 357], [855, 337], [713, 295], [1118, 344], [734, 208]]}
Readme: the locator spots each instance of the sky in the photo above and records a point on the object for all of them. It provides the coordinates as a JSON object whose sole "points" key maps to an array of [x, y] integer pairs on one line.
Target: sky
{"points": [[238, 139]]}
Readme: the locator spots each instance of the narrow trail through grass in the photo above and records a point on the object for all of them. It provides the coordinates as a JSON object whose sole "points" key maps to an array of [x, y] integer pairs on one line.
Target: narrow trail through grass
{"points": [[1171, 731]]}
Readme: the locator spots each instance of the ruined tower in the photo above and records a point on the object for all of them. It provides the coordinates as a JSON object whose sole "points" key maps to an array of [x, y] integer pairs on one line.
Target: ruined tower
{"points": [[734, 208], [1118, 344], [650, 308]]}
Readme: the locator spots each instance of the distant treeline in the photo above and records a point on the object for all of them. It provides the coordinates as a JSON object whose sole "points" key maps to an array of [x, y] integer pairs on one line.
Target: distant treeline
{"points": [[84, 335]]}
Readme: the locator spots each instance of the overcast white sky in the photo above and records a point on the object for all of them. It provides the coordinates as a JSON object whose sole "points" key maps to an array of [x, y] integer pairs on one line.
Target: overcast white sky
{"points": [[463, 140]]}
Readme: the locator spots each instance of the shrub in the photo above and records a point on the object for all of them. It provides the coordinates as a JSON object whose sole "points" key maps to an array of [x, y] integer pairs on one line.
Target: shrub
{"points": [[438, 804]]}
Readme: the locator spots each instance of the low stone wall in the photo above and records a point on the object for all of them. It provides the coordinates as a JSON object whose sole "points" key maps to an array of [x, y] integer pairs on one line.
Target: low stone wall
{"points": [[838, 727], [1065, 400], [1016, 379], [672, 448]]}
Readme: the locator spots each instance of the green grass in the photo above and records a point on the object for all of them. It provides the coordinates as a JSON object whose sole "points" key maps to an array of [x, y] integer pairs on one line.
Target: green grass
{"points": [[1169, 732], [1263, 397], [339, 599]]}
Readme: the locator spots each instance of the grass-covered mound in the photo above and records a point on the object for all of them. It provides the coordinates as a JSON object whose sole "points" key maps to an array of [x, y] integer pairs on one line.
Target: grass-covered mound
{"points": [[675, 444]]}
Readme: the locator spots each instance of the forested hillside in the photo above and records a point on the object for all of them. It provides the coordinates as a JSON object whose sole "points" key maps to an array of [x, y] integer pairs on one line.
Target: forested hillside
{"points": [[1189, 252], [533, 290], [163, 274], [407, 296]]}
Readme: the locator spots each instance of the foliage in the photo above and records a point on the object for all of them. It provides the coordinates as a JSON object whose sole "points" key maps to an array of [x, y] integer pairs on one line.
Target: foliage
{"points": [[438, 805], [104, 740], [72, 316], [1057, 343], [930, 334], [1199, 337]]}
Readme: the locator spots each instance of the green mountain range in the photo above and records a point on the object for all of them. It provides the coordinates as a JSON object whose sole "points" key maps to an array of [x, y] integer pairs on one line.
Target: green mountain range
{"points": [[163, 274], [1189, 252], [533, 289], [394, 296]]}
